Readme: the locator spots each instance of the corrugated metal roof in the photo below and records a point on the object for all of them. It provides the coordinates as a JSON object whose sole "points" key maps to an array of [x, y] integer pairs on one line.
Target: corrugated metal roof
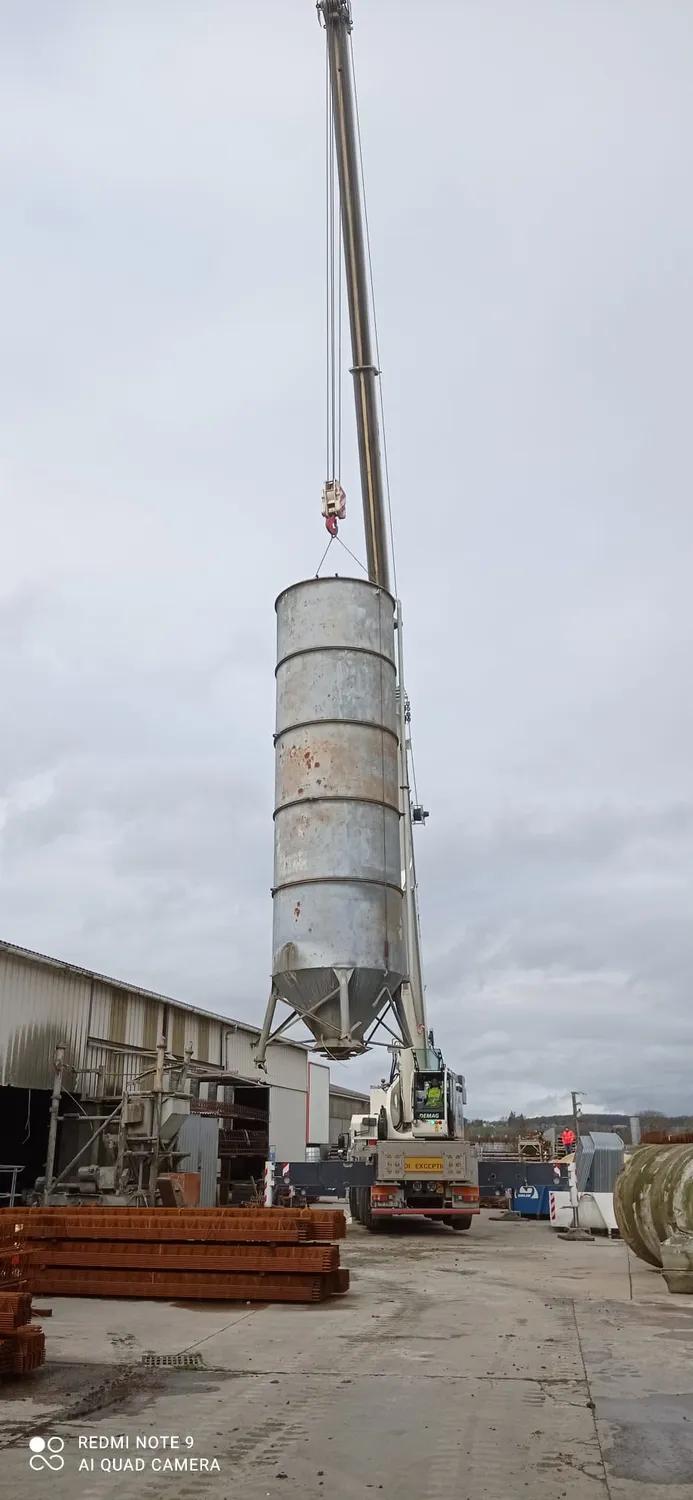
{"points": [[131, 989], [337, 1090], [44, 1002]]}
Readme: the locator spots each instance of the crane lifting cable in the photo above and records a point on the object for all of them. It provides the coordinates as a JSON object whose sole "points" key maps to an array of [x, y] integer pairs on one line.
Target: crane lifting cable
{"points": [[333, 496], [346, 193]]}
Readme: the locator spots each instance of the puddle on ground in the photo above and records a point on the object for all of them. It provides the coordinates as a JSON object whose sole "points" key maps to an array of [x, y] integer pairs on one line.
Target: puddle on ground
{"points": [[652, 1438]]}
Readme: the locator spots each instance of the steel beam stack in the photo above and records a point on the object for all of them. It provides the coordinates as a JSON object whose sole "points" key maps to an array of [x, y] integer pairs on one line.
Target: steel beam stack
{"points": [[236, 1255]]}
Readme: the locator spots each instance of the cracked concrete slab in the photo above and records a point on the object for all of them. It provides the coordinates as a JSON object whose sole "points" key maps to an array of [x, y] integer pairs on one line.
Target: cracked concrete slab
{"points": [[502, 1363]]}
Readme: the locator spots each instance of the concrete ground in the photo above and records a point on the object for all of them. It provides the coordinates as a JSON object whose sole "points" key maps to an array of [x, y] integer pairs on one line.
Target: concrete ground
{"points": [[498, 1363]]}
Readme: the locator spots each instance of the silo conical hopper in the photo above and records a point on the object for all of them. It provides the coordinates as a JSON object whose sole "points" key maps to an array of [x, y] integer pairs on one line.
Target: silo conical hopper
{"points": [[339, 949]]}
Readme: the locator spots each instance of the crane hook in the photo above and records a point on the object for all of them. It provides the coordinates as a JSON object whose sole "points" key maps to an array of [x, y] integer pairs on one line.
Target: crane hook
{"points": [[333, 505]]}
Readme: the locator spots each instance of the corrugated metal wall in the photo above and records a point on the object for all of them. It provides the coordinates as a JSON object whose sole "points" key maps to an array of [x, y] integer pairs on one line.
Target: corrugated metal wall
{"points": [[39, 1008], [123, 1016], [111, 1030], [200, 1137], [204, 1033]]}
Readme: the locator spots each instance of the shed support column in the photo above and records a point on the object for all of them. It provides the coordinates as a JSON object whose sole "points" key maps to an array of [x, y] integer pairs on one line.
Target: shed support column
{"points": [[53, 1127]]}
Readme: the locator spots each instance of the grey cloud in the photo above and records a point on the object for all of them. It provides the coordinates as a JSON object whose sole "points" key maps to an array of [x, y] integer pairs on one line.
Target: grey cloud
{"points": [[161, 391]]}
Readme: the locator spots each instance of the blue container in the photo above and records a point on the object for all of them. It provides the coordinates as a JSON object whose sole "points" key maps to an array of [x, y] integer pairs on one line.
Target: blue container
{"points": [[532, 1201], [497, 1175]]}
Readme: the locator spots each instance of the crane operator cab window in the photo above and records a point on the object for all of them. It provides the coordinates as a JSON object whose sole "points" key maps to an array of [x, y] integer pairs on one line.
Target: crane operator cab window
{"points": [[429, 1096]]}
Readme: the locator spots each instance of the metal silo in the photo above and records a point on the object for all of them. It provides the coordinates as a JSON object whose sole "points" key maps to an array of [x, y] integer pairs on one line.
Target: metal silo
{"points": [[338, 950]]}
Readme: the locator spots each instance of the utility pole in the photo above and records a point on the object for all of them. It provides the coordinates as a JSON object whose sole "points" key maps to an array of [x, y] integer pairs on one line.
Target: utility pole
{"points": [[575, 1232], [576, 1116]]}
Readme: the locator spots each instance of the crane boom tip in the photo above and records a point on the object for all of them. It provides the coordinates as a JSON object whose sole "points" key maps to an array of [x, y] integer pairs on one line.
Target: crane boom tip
{"points": [[332, 12]]}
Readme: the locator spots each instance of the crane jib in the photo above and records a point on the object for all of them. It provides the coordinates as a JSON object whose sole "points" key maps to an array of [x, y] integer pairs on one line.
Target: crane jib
{"points": [[336, 16]]}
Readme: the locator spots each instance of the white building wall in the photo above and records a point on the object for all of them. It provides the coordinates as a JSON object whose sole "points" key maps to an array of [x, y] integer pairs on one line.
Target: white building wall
{"points": [[318, 1104], [287, 1133], [287, 1064], [342, 1107]]}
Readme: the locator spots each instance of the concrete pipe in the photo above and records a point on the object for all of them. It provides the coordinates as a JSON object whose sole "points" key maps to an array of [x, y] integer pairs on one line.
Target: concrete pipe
{"points": [[653, 1199]]}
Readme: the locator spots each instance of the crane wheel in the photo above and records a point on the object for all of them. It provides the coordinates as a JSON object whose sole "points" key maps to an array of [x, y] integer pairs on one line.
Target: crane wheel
{"points": [[369, 1223], [354, 1205], [460, 1224]]}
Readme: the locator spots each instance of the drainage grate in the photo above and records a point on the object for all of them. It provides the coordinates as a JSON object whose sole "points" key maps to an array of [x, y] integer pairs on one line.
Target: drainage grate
{"points": [[175, 1361]]}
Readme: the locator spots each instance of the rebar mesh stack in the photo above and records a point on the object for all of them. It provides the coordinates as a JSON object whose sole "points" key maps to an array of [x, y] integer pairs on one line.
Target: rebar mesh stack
{"points": [[248, 1255], [22, 1346]]}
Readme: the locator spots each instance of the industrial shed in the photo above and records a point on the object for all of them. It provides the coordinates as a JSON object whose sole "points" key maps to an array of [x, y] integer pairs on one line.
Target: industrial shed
{"points": [[343, 1104], [110, 1030]]}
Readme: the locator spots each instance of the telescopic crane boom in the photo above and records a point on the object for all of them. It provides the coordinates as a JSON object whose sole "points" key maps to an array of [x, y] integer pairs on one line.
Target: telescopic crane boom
{"points": [[337, 20], [412, 1140], [336, 17]]}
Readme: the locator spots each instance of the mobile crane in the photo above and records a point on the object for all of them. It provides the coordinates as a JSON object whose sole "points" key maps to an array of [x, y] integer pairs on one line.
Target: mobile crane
{"points": [[414, 1135], [408, 1155]]}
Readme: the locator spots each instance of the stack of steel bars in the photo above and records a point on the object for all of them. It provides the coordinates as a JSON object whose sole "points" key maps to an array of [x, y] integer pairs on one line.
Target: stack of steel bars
{"points": [[229, 1254], [22, 1346]]}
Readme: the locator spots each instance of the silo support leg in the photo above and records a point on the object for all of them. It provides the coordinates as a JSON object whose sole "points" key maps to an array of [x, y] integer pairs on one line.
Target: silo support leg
{"points": [[344, 975], [266, 1028]]}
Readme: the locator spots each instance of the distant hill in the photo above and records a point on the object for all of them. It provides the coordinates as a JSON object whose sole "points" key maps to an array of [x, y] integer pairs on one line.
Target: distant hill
{"points": [[520, 1125]]}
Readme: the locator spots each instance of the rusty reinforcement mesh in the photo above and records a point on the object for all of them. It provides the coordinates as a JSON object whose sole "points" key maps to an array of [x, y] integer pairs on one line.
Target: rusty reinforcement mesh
{"points": [[171, 1257], [280, 1255], [223, 1226], [316, 1224], [15, 1310], [22, 1345], [60, 1281]]}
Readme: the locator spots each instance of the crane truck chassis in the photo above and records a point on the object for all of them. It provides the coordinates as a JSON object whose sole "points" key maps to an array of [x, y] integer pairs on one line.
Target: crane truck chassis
{"points": [[414, 1178], [406, 1158], [413, 1140]]}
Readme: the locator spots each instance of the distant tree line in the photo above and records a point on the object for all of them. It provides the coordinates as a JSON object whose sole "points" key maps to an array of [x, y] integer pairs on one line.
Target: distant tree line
{"points": [[517, 1124]]}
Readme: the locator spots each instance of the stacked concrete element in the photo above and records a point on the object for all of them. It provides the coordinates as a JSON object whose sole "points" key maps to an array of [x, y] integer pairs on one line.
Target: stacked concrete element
{"points": [[339, 951], [268, 1255], [653, 1202]]}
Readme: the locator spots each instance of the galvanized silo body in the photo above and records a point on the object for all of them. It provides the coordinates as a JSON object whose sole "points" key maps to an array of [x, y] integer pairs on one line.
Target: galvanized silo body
{"points": [[338, 908]]}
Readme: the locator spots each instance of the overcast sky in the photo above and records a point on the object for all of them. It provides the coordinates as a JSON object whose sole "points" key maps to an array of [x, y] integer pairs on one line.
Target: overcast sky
{"points": [[528, 169]]}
